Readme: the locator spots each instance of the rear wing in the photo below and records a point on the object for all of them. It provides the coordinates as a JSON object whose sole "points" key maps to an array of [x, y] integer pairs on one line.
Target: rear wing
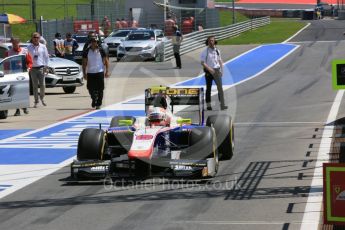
{"points": [[177, 96]]}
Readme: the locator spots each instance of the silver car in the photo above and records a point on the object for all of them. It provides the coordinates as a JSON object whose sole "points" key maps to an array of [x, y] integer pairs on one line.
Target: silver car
{"points": [[62, 72], [146, 44], [81, 40], [114, 39]]}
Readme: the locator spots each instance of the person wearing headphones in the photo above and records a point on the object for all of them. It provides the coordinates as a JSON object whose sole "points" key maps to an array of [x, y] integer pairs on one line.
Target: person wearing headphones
{"points": [[212, 63], [177, 40]]}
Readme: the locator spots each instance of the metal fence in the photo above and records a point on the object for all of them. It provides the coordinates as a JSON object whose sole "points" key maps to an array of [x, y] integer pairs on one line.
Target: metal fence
{"points": [[197, 39], [50, 27], [149, 15]]}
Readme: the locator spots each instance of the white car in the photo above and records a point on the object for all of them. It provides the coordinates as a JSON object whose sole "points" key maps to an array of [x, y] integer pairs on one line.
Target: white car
{"points": [[146, 44], [115, 38], [81, 40], [14, 84], [62, 72]]}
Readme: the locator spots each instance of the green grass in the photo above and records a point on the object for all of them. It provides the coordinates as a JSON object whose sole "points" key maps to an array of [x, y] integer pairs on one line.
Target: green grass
{"points": [[225, 17], [49, 9], [278, 31]]}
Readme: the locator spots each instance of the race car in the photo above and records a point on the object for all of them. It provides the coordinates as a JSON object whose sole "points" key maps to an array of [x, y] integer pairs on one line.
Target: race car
{"points": [[158, 144]]}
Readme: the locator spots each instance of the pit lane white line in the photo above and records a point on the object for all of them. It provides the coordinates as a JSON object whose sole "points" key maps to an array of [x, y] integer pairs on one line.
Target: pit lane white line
{"points": [[245, 222], [298, 32], [313, 208]]}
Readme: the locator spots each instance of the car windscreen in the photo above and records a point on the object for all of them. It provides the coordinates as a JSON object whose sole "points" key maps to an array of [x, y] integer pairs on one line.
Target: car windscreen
{"points": [[120, 33], [80, 39], [141, 35]]}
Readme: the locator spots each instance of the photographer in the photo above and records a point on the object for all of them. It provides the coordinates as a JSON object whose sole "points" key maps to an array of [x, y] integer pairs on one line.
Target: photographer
{"points": [[212, 64]]}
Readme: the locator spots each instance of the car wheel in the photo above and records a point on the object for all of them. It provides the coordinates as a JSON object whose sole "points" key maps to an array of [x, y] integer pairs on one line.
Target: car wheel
{"points": [[203, 145], [69, 89], [154, 56], [91, 144], [224, 129], [3, 114]]}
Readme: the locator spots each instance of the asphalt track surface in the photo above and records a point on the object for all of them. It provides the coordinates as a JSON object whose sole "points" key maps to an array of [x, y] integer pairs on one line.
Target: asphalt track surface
{"points": [[279, 119]]}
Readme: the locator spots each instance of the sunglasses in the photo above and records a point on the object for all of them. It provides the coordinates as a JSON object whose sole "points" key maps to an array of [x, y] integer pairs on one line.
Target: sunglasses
{"points": [[35, 37]]}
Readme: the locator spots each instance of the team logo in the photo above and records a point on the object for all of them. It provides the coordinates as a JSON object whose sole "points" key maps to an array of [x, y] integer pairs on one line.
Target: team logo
{"points": [[6, 92]]}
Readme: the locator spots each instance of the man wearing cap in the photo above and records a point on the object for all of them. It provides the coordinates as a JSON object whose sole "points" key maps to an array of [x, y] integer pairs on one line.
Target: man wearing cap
{"points": [[95, 69]]}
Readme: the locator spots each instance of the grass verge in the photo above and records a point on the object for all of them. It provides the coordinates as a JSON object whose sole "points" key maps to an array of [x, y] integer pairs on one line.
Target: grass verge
{"points": [[225, 17], [278, 31]]}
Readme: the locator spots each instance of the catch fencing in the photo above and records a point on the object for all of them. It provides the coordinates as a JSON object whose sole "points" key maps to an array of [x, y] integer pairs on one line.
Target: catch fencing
{"points": [[196, 40]]}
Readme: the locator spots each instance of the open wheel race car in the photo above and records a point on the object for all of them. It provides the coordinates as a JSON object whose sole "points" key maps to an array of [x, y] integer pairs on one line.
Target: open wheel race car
{"points": [[160, 143]]}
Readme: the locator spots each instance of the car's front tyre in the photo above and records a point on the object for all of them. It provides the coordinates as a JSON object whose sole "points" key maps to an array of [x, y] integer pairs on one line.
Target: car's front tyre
{"points": [[3, 114], [69, 89]]}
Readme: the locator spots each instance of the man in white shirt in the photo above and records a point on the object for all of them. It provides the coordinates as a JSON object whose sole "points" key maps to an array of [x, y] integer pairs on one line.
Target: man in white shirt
{"points": [[212, 63], [40, 59], [95, 68]]}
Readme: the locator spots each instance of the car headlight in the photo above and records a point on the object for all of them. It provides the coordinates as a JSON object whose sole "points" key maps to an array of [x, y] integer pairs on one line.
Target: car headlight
{"points": [[51, 70], [121, 48], [148, 47]]}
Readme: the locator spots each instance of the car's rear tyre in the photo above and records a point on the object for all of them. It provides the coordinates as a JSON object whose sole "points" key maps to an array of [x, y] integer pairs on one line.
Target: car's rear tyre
{"points": [[3, 114], [203, 145], [91, 144], [69, 89], [224, 129]]}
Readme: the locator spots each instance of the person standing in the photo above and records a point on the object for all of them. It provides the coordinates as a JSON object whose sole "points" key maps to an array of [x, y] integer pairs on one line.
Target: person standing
{"points": [[58, 45], [17, 50], [212, 63], [118, 24], [177, 40], [95, 69], [71, 45], [40, 59], [106, 25]]}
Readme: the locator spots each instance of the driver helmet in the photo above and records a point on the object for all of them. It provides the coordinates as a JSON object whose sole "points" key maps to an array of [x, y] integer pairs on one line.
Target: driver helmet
{"points": [[157, 116]]}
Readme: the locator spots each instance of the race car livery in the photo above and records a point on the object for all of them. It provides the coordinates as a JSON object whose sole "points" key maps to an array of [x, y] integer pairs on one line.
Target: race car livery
{"points": [[161, 143]]}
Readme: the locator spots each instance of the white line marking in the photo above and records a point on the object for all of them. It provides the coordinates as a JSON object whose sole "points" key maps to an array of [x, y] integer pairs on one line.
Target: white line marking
{"points": [[313, 208], [287, 40], [244, 222], [306, 42]]}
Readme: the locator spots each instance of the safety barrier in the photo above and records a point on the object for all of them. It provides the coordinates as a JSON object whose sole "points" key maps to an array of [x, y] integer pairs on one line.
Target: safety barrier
{"points": [[196, 40]]}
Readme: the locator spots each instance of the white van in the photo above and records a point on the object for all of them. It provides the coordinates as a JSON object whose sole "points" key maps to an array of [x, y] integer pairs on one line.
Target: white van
{"points": [[14, 84]]}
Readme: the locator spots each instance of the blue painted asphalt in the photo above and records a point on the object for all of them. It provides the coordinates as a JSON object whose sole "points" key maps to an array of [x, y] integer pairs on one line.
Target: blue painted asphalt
{"points": [[6, 133], [248, 65], [58, 143]]}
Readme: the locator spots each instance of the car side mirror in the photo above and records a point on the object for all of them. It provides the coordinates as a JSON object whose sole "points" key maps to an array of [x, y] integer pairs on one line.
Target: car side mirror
{"points": [[2, 74]]}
